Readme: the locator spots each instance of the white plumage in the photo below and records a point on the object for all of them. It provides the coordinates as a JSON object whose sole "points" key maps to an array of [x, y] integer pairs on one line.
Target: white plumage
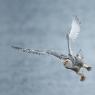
{"points": [[75, 29]]}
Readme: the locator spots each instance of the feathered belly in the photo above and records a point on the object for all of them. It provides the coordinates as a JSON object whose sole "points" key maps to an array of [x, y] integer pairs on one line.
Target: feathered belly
{"points": [[69, 65]]}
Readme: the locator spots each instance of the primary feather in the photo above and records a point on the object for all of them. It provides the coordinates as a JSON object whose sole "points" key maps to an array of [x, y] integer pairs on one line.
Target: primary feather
{"points": [[40, 52], [75, 28]]}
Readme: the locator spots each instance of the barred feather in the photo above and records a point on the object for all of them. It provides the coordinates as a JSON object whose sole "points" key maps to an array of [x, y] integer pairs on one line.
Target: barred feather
{"points": [[41, 52]]}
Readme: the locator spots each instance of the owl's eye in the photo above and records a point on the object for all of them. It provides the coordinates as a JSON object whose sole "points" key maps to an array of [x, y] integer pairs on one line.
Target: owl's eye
{"points": [[66, 61]]}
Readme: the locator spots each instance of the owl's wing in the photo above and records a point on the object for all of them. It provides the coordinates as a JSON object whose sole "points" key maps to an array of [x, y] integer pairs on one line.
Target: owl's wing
{"points": [[40, 52], [75, 28], [73, 34]]}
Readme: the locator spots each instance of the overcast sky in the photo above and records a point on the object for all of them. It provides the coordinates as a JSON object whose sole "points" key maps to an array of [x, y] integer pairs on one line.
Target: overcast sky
{"points": [[42, 24]]}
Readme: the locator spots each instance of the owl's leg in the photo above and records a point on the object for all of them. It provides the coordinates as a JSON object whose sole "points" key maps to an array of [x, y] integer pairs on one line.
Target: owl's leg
{"points": [[87, 67]]}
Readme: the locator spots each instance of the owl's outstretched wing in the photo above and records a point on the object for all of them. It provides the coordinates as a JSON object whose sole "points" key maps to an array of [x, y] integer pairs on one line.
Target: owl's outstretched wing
{"points": [[73, 34], [40, 52], [75, 28]]}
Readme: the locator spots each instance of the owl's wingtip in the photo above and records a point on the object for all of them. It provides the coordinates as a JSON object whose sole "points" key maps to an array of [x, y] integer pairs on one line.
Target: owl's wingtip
{"points": [[15, 47]]}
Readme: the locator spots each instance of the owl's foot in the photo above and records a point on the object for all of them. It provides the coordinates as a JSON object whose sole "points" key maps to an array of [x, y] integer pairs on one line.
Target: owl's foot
{"points": [[82, 78]]}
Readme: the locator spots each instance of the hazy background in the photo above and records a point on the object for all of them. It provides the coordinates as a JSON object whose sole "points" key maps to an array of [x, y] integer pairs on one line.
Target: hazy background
{"points": [[42, 24]]}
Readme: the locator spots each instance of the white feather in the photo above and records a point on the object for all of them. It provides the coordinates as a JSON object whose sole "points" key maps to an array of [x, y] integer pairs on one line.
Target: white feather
{"points": [[75, 29]]}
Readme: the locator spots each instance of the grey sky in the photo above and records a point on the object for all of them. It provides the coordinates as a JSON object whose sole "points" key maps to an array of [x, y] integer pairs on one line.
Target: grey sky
{"points": [[42, 24]]}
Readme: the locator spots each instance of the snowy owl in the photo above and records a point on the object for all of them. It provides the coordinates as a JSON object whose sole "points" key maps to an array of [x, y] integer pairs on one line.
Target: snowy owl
{"points": [[71, 61]]}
